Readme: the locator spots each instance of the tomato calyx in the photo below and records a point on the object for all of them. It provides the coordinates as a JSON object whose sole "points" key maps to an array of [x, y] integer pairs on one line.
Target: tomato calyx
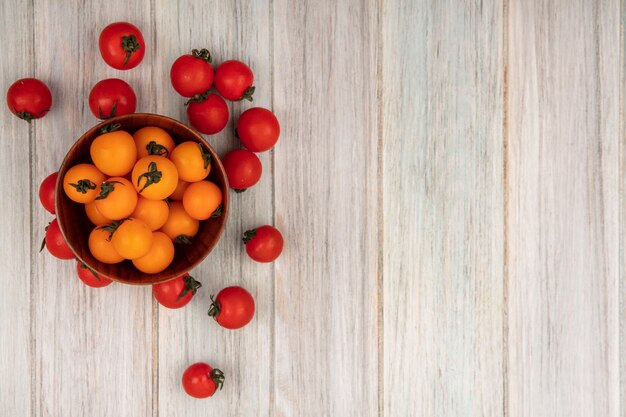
{"points": [[43, 242], [153, 176], [239, 190], [249, 235], [84, 266], [112, 127], [190, 285], [111, 114], [111, 227], [206, 156], [29, 117], [214, 309], [154, 148], [218, 377], [247, 95], [107, 188], [198, 98], [202, 54], [129, 45], [82, 186], [183, 239], [218, 212]]}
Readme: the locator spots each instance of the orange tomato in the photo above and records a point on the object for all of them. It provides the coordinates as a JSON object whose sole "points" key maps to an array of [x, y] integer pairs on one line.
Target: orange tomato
{"points": [[117, 198], [201, 199], [114, 153], [132, 239], [101, 247], [192, 161], [153, 140], [94, 214], [155, 177], [153, 212], [179, 191], [159, 256], [180, 226], [81, 183]]}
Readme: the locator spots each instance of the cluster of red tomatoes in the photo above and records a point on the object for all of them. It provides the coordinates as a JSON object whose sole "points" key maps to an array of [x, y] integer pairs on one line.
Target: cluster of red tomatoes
{"points": [[144, 194]]}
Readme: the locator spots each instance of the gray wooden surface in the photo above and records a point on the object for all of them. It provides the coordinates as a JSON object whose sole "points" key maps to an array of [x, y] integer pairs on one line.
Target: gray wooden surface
{"points": [[449, 181]]}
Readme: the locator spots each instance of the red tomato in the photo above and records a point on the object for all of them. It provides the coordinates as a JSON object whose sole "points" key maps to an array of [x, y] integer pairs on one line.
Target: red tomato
{"points": [[122, 45], [263, 244], [46, 192], [89, 277], [176, 293], [233, 80], [29, 99], [233, 308], [112, 97], [55, 243], [258, 129], [210, 115], [192, 74], [243, 169], [201, 381]]}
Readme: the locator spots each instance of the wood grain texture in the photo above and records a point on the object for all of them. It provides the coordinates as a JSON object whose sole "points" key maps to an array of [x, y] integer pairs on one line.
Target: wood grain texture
{"points": [[563, 224], [442, 98], [16, 351], [92, 346], [230, 30], [325, 355], [449, 181]]}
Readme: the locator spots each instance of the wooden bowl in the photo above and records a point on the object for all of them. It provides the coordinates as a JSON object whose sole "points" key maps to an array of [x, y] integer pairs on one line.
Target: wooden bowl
{"points": [[76, 227]]}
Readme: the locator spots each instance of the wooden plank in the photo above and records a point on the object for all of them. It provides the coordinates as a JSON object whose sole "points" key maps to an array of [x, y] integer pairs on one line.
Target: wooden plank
{"points": [[326, 195], [16, 351], [442, 97], [563, 205], [230, 30], [93, 346]]}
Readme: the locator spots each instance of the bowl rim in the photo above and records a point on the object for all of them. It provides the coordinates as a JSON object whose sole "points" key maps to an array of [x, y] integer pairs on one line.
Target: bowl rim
{"points": [[218, 164]]}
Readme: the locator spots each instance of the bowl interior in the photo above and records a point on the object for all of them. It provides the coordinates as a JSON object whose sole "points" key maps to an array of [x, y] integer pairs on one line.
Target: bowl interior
{"points": [[76, 227]]}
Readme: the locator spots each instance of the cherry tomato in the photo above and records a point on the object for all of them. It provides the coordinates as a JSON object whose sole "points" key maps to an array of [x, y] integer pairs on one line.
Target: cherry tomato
{"points": [[112, 97], [100, 244], [201, 381], [46, 192], [81, 183], [263, 244], [153, 212], [178, 193], [29, 99], [177, 292], [55, 242], [192, 161], [132, 238], [258, 129], [202, 199], [114, 153], [233, 308], [155, 177], [180, 226], [116, 199], [233, 80], [89, 277], [243, 169], [122, 45], [94, 215], [159, 257], [192, 74], [152, 140], [209, 115]]}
